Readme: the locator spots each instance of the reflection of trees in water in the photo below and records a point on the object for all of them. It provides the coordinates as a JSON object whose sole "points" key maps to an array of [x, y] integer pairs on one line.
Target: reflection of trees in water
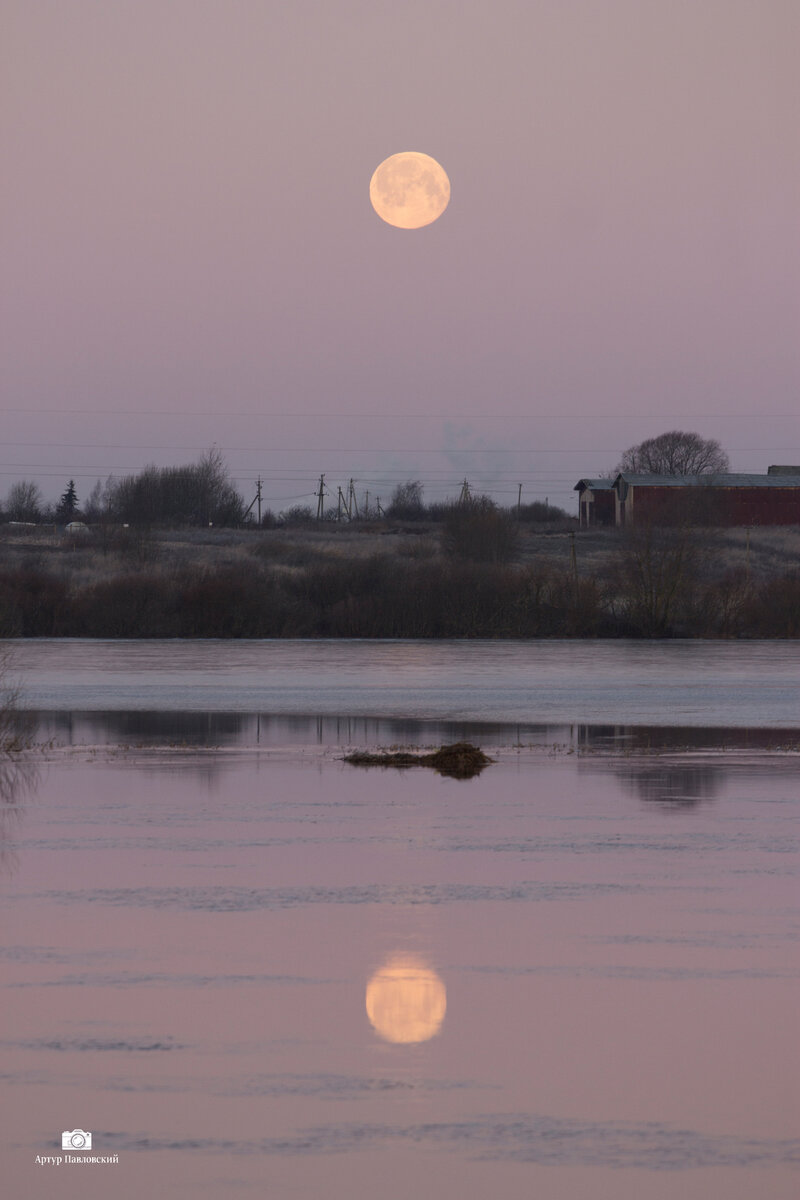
{"points": [[653, 762], [621, 739], [142, 727], [643, 772], [15, 724], [672, 785], [19, 778]]}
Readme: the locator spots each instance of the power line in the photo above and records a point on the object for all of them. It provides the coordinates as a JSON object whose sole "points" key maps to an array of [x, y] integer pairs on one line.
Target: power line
{"points": [[443, 452], [404, 416]]}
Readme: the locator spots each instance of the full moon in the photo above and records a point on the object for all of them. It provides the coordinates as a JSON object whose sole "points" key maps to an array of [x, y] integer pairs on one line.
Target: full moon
{"points": [[406, 1000], [409, 190]]}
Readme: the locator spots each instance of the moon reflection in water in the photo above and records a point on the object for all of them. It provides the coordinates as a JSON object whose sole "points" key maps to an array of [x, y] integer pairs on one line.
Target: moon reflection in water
{"points": [[406, 1000]]}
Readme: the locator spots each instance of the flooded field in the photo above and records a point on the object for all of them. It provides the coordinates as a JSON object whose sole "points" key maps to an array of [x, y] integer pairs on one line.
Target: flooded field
{"points": [[244, 967], [264, 972]]}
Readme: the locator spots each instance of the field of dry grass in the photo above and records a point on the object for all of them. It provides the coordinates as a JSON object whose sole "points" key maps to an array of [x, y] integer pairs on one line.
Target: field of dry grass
{"points": [[765, 551]]}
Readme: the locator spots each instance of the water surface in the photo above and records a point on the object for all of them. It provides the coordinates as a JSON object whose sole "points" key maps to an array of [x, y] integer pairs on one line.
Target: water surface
{"points": [[250, 969], [657, 683], [264, 973]]}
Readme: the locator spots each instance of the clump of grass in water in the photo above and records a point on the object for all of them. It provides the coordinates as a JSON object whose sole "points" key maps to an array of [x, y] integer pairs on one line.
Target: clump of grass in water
{"points": [[460, 760], [14, 734]]}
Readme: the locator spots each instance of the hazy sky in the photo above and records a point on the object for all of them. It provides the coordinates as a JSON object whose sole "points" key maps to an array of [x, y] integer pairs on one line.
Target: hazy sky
{"points": [[189, 255]]}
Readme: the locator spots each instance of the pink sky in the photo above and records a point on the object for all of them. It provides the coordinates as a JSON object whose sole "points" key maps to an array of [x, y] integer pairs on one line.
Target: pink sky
{"points": [[190, 256]]}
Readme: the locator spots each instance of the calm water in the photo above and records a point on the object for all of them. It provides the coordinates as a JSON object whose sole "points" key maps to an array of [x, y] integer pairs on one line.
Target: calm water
{"points": [[250, 969], [681, 683]]}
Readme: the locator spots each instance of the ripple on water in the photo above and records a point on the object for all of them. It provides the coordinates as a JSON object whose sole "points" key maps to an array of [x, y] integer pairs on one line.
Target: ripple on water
{"points": [[241, 899], [523, 1138]]}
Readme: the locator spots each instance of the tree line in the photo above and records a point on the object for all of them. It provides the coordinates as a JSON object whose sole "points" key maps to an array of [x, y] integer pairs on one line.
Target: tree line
{"points": [[200, 493], [203, 493]]}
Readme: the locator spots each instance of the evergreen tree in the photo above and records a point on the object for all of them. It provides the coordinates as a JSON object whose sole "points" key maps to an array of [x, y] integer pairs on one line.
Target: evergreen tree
{"points": [[68, 504]]}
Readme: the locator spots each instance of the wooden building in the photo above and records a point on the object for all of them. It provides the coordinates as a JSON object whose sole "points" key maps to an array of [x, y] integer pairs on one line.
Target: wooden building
{"points": [[735, 499], [596, 502]]}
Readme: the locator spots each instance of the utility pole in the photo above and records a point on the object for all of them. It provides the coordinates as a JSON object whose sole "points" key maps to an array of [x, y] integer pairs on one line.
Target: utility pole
{"points": [[366, 505], [378, 506], [465, 497], [352, 502], [256, 500], [340, 504], [519, 501], [321, 498], [747, 556]]}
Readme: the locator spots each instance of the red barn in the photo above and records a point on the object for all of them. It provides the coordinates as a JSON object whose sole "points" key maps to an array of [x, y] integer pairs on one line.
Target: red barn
{"points": [[596, 501], [772, 499]]}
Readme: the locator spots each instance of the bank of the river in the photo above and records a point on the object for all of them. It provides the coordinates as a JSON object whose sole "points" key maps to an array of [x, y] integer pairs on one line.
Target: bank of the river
{"points": [[391, 581]]}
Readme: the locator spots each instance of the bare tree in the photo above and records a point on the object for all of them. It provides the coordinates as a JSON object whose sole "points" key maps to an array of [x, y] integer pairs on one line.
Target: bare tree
{"points": [[96, 506], [198, 494], [657, 569], [406, 502], [24, 502], [675, 453]]}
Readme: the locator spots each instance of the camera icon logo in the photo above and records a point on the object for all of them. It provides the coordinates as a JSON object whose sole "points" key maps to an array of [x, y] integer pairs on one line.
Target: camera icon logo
{"points": [[76, 1139]]}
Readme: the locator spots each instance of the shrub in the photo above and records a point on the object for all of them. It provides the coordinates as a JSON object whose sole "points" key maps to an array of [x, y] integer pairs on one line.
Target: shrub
{"points": [[300, 514], [480, 532], [656, 573], [774, 609], [129, 606], [723, 605], [406, 503], [34, 603], [228, 602], [539, 513]]}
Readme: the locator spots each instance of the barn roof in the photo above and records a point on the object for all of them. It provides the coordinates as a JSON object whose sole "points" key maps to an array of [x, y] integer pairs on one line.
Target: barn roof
{"points": [[596, 485], [727, 481]]}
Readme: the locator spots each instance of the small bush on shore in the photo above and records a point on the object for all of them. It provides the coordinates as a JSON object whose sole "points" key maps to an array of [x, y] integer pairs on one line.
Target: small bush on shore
{"points": [[33, 603], [481, 532], [541, 514]]}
